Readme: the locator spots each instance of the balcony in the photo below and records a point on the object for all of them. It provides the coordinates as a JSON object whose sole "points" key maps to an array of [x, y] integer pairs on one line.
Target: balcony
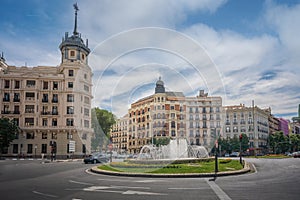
{"points": [[45, 100], [5, 112], [16, 112], [45, 113], [54, 100], [16, 100], [6, 99], [54, 113]]}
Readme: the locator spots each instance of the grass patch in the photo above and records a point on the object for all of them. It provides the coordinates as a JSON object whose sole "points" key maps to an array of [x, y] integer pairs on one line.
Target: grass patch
{"points": [[199, 167], [272, 156]]}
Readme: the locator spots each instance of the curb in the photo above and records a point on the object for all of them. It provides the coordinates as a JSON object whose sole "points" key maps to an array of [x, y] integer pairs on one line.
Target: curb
{"points": [[246, 169]]}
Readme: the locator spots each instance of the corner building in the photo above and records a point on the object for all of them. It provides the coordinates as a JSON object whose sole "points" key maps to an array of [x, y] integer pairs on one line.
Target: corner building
{"points": [[171, 114], [51, 105]]}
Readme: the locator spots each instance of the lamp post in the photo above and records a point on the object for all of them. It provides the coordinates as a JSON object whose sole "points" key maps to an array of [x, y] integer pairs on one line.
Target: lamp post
{"points": [[216, 158], [241, 138]]}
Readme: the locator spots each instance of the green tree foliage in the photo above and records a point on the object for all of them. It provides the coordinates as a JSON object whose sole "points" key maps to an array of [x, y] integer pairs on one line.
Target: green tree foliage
{"points": [[8, 131], [294, 142], [102, 121], [280, 143], [161, 141], [233, 144]]}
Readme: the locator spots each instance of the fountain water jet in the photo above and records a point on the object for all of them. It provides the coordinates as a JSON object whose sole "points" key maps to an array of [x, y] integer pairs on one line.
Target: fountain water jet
{"points": [[176, 149]]}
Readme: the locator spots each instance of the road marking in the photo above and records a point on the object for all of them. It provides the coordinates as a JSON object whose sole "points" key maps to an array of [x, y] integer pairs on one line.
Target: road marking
{"points": [[44, 194], [81, 183], [187, 188], [142, 193], [116, 186], [109, 189], [218, 191]]}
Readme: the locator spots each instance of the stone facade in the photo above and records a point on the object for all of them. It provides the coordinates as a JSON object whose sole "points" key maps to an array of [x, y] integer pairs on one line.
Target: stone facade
{"points": [[170, 114], [51, 105], [252, 121]]}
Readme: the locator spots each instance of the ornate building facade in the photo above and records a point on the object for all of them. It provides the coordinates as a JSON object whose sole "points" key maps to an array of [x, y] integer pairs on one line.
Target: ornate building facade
{"points": [[252, 121], [170, 114], [51, 105]]}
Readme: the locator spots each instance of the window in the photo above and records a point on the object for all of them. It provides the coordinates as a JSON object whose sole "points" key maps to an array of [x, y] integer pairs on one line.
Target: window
{"points": [[45, 85], [54, 136], [16, 121], [29, 95], [45, 98], [82, 56], [29, 148], [70, 98], [54, 122], [6, 97], [29, 121], [29, 135], [86, 112], [87, 100], [70, 122], [69, 136], [86, 88], [72, 53], [44, 136], [45, 122], [16, 97], [17, 84], [86, 123], [6, 83], [71, 72], [55, 85], [30, 83], [70, 84], [173, 133], [172, 124], [55, 98], [54, 110], [44, 148], [29, 108], [70, 109], [85, 76]]}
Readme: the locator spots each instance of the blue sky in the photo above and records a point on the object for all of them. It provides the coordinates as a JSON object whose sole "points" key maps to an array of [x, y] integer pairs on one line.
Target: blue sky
{"points": [[241, 50]]}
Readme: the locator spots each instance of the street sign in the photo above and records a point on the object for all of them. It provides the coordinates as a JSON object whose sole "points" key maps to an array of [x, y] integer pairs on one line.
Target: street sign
{"points": [[71, 146]]}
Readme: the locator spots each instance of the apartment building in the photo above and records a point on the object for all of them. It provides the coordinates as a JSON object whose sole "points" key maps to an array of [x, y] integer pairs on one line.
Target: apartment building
{"points": [[252, 121], [50, 104], [171, 114]]}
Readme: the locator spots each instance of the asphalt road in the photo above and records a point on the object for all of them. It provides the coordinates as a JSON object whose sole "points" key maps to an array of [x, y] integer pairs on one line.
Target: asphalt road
{"points": [[32, 179]]}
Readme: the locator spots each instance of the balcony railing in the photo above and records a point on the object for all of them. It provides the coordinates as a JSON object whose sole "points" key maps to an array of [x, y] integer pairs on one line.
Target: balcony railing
{"points": [[16, 100], [6, 99]]}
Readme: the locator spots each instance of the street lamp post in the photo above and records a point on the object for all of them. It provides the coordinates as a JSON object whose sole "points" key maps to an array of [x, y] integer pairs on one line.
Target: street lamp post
{"points": [[216, 158]]}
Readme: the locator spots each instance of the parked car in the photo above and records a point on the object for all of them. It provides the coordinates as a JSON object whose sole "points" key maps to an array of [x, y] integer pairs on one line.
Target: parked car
{"points": [[227, 155], [96, 158], [235, 154], [296, 154]]}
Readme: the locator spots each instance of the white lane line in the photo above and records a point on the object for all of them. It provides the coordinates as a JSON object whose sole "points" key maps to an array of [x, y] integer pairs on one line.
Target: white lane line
{"points": [[187, 188], [81, 183], [218, 191], [128, 187], [44, 194]]}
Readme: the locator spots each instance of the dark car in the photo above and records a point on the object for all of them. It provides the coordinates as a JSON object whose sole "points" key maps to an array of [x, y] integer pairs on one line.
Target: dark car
{"points": [[96, 158]]}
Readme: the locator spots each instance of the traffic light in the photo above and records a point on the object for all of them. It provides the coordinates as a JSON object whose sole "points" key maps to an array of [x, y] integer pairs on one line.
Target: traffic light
{"points": [[241, 137]]}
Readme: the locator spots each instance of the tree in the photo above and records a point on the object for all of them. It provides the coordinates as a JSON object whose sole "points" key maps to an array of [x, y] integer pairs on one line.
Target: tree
{"points": [[245, 142], [161, 141], [8, 132], [102, 121], [279, 142], [294, 142]]}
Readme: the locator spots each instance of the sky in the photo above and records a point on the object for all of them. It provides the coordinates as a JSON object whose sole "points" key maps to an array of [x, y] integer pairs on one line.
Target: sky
{"points": [[240, 50]]}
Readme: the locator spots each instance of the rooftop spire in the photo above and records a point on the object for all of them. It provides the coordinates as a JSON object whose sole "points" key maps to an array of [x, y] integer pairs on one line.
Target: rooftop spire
{"points": [[75, 26]]}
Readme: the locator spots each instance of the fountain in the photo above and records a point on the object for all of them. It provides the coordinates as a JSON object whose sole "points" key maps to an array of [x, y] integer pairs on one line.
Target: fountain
{"points": [[176, 149]]}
